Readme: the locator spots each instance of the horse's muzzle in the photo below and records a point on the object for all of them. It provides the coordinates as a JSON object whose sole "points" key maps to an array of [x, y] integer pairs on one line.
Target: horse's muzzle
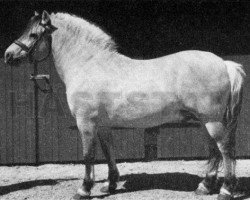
{"points": [[11, 60], [8, 57]]}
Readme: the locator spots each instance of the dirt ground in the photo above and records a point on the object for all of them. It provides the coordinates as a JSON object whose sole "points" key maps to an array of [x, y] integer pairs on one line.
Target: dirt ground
{"points": [[140, 180]]}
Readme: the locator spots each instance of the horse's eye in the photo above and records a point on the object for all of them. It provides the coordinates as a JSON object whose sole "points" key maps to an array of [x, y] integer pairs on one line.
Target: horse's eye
{"points": [[34, 35]]}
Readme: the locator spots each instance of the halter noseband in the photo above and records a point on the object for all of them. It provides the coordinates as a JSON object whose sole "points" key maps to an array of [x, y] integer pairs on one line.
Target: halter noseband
{"points": [[30, 49]]}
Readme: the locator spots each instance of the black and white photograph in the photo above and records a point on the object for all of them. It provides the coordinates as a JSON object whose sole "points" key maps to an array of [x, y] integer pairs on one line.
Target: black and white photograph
{"points": [[124, 100]]}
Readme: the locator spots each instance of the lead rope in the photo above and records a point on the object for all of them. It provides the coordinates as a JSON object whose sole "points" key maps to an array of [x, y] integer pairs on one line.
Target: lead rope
{"points": [[35, 76], [94, 152]]}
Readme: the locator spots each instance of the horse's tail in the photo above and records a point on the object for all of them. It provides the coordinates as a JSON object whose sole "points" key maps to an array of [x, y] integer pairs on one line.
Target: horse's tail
{"points": [[236, 76]]}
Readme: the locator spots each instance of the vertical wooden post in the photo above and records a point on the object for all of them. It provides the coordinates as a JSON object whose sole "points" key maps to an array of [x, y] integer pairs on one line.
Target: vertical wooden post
{"points": [[150, 141], [36, 109]]}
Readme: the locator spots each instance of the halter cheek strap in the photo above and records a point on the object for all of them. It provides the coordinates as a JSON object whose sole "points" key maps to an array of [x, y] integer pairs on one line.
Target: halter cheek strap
{"points": [[22, 45]]}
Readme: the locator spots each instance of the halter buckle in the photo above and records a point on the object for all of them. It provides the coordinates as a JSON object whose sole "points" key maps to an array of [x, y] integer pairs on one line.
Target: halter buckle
{"points": [[40, 77], [45, 77]]}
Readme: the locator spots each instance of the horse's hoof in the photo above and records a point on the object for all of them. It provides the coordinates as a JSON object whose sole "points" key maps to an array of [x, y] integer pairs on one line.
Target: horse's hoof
{"points": [[225, 197], [83, 193], [202, 190], [108, 188]]}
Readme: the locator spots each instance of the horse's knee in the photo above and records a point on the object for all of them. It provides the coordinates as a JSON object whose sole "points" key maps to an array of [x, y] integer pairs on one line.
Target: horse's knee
{"points": [[89, 150]]}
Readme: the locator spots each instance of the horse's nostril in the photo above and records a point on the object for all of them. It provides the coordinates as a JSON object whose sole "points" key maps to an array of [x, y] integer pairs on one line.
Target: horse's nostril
{"points": [[8, 57]]}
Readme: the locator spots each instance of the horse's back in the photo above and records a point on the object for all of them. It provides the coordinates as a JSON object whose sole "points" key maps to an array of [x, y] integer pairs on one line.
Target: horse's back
{"points": [[203, 82]]}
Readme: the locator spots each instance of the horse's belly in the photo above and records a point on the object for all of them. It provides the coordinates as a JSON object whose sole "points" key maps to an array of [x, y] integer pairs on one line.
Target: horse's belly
{"points": [[140, 113], [151, 120]]}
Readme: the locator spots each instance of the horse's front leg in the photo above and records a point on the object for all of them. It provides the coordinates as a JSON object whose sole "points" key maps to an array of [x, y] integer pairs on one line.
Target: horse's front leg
{"points": [[106, 140], [87, 129]]}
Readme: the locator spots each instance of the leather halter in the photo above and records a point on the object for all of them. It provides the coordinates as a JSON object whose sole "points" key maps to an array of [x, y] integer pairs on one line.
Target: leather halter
{"points": [[30, 49]]}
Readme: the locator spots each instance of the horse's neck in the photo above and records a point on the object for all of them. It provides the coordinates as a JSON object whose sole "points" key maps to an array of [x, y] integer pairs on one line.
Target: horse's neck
{"points": [[66, 57], [69, 53]]}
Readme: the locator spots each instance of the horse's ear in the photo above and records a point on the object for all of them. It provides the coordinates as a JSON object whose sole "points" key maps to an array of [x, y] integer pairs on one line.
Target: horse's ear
{"points": [[46, 23], [36, 13], [45, 17]]}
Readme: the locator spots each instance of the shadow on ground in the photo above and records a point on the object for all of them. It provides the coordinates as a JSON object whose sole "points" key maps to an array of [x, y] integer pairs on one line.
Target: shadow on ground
{"points": [[166, 181], [182, 182], [29, 184], [243, 188], [139, 182]]}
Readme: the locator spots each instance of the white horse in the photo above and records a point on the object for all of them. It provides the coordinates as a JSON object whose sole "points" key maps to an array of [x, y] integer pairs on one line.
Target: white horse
{"points": [[107, 89]]}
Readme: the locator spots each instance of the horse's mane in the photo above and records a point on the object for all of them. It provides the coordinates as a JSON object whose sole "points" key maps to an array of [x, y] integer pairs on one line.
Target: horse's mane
{"points": [[82, 28]]}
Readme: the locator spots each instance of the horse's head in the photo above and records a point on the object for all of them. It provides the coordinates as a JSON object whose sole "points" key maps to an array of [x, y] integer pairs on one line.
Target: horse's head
{"points": [[35, 42]]}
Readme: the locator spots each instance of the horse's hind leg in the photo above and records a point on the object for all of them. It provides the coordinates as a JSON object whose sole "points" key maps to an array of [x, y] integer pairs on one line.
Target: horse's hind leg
{"points": [[225, 140], [207, 186], [106, 141], [227, 148]]}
